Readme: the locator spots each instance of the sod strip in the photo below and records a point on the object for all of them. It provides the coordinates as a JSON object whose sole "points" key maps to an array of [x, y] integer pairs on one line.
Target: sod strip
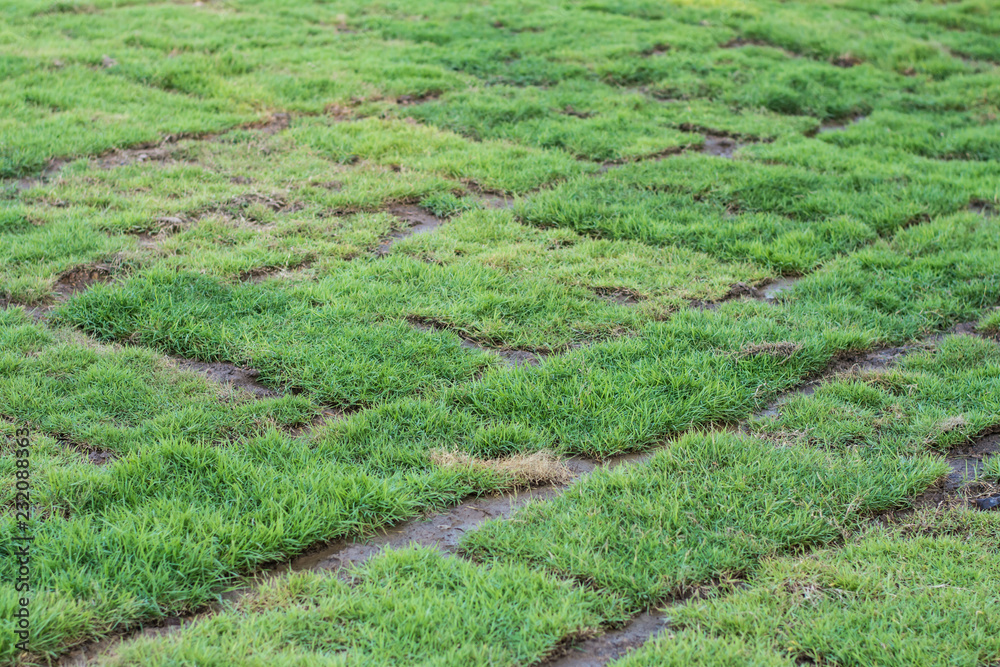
{"points": [[443, 531], [899, 595], [380, 448], [505, 615], [883, 419]]}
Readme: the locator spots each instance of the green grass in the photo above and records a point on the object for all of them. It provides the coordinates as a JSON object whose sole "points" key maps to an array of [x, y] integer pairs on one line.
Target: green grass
{"points": [[232, 168], [889, 598], [709, 506], [937, 399], [505, 615], [706, 508]]}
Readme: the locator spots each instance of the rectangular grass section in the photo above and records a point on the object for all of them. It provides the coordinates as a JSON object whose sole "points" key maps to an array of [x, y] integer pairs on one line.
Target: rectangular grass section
{"points": [[894, 597], [935, 399], [413, 607], [782, 216], [708, 507], [197, 484]]}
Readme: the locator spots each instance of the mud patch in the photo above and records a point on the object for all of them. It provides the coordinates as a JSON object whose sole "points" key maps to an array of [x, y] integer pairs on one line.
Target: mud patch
{"points": [[81, 278], [613, 644], [441, 530], [490, 199], [271, 126], [838, 125], [740, 42], [261, 273], [720, 146], [51, 169], [772, 290], [93, 454], [846, 60], [420, 98], [37, 313], [326, 416], [968, 461], [416, 221], [658, 155], [122, 157], [622, 295], [843, 363], [513, 357], [570, 111], [223, 372], [495, 201], [983, 208]]}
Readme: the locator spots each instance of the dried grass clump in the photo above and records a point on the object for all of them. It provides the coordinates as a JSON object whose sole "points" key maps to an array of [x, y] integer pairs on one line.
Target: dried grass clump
{"points": [[535, 469]]}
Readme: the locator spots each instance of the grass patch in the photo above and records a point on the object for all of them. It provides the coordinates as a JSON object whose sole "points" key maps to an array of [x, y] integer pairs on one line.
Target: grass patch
{"points": [[504, 615], [707, 508], [886, 599]]}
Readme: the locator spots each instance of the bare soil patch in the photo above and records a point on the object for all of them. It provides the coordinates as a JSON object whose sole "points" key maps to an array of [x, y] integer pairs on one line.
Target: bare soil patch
{"points": [[81, 278], [225, 373], [416, 220], [622, 295], [611, 645]]}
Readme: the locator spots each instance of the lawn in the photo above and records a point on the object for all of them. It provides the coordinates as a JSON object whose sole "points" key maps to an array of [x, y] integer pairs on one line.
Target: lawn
{"points": [[279, 276]]}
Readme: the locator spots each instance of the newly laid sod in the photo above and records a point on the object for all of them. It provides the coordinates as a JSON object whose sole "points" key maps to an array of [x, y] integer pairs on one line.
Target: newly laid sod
{"points": [[507, 615], [893, 597], [423, 237]]}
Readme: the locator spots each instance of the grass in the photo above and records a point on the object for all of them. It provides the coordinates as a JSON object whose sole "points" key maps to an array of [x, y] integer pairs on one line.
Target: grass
{"points": [[507, 615], [938, 399], [238, 180], [707, 508], [889, 598]]}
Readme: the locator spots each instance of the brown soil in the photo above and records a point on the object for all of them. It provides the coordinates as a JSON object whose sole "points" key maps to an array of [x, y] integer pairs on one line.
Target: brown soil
{"points": [[226, 373], [720, 146], [611, 645], [622, 295], [416, 221], [838, 125], [81, 278]]}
